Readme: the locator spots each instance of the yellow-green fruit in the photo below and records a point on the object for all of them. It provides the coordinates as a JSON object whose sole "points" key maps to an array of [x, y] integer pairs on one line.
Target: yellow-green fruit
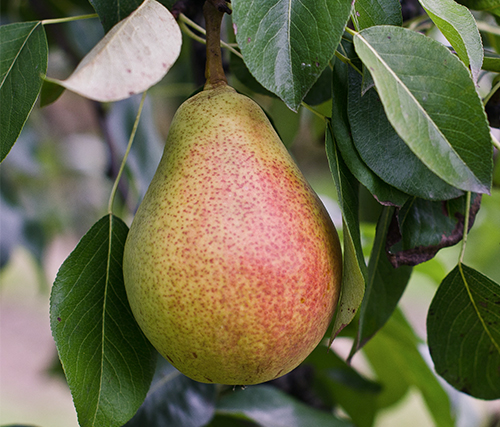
{"points": [[232, 265]]}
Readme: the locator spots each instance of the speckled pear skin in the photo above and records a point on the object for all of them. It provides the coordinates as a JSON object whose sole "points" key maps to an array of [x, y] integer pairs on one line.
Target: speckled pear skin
{"points": [[232, 266]]}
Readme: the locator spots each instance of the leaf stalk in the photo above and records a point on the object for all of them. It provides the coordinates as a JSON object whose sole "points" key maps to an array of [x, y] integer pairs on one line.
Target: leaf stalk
{"points": [[127, 151], [68, 19]]}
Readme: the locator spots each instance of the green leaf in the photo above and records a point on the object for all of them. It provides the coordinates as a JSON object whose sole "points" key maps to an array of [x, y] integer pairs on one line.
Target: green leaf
{"points": [[463, 330], [270, 407], [113, 11], [342, 385], [431, 101], [241, 72], [368, 13], [107, 360], [459, 27], [23, 62], [175, 400], [287, 44], [491, 6], [384, 152], [491, 62], [384, 193], [50, 93], [398, 364], [354, 267], [384, 286]]}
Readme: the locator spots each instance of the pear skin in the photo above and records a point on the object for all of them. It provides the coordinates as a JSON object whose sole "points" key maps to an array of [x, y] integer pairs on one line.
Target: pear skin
{"points": [[232, 265]]}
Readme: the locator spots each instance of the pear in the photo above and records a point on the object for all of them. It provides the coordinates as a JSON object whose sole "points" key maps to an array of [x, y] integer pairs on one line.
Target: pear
{"points": [[232, 265]]}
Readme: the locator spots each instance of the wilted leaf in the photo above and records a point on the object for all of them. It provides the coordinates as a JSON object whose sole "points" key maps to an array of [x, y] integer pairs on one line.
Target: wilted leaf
{"points": [[133, 56], [424, 227], [23, 54], [459, 27], [432, 103], [107, 360], [287, 44], [463, 330]]}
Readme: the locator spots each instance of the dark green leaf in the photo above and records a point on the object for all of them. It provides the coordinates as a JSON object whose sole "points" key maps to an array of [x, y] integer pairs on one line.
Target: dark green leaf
{"points": [[344, 386], [463, 330], [229, 421], [50, 93], [431, 101], [285, 121], [491, 6], [240, 71], [270, 407], [287, 44], [384, 152], [321, 90], [377, 12], [398, 364], [491, 62], [384, 286], [492, 107], [107, 360], [384, 193], [459, 27], [175, 400], [23, 62], [113, 11], [354, 267]]}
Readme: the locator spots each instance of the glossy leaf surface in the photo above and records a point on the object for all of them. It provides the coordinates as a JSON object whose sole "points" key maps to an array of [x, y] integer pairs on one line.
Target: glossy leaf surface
{"points": [[463, 329], [108, 362], [23, 63], [287, 44]]}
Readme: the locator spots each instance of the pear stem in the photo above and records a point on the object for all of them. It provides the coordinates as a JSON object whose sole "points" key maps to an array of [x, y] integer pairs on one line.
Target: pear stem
{"points": [[214, 72]]}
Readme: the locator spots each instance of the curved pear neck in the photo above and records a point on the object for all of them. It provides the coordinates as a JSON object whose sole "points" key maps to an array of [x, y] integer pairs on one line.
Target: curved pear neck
{"points": [[214, 72]]}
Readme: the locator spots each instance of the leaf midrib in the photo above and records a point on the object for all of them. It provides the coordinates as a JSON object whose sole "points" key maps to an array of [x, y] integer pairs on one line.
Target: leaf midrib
{"points": [[406, 90]]}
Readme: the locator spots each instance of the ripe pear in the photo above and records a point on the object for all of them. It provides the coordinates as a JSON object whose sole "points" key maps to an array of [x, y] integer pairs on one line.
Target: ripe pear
{"points": [[232, 265]]}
